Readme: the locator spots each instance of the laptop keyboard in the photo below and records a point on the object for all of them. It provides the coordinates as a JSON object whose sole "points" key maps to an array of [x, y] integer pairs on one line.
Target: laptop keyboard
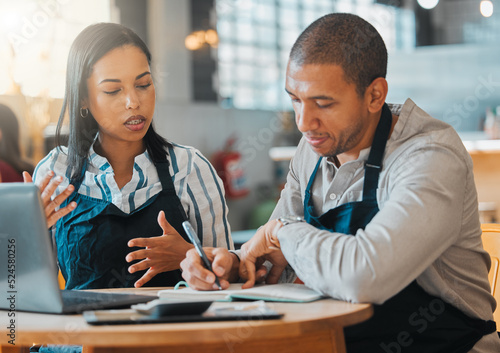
{"points": [[86, 300], [73, 297]]}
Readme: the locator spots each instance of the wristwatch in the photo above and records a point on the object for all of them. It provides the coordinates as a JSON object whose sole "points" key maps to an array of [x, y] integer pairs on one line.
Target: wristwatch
{"points": [[290, 219], [283, 221]]}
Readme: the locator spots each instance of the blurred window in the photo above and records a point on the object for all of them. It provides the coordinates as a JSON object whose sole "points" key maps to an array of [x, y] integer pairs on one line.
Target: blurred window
{"points": [[255, 38]]}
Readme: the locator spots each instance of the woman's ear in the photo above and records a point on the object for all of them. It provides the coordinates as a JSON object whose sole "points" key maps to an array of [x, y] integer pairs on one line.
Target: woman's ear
{"points": [[376, 94]]}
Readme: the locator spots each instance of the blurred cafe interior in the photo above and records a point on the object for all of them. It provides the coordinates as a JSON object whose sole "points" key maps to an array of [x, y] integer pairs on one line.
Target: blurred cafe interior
{"points": [[219, 68]]}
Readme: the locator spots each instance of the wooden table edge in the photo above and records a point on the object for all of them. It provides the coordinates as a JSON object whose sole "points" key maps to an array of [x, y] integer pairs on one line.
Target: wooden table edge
{"points": [[157, 334]]}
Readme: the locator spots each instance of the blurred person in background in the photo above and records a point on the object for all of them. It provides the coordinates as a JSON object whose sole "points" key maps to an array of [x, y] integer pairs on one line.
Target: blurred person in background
{"points": [[12, 164]]}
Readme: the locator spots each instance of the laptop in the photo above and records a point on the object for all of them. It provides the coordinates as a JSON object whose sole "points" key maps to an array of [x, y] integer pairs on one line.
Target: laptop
{"points": [[28, 268]]}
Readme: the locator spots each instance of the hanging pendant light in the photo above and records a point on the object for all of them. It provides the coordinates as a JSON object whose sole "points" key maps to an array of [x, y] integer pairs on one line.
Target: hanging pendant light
{"points": [[428, 4], [486, 8]]}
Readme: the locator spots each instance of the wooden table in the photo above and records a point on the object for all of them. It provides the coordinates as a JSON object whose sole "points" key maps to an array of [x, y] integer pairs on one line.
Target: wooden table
{"points": [[305, 327]]}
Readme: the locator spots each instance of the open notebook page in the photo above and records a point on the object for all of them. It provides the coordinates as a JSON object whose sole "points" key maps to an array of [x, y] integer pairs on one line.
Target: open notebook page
{"points": [[285, 292]]}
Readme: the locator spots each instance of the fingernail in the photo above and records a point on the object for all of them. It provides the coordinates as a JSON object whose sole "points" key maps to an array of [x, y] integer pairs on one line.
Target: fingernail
{"points": [[70, 187], [73, 204], [59, 178], [215, 286], [210, 278], [51, 173], [219, 269]]}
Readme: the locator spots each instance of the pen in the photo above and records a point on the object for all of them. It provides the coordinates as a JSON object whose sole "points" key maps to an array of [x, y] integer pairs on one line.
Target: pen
{"points": [[196, 242]]}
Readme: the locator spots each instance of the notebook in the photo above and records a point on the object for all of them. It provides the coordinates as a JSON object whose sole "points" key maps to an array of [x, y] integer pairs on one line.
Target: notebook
{"points": [[284, 292], [28, 269]]}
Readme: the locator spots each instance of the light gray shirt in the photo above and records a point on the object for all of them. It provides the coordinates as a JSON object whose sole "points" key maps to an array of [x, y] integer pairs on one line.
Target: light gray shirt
{"points": [[427, 227]]}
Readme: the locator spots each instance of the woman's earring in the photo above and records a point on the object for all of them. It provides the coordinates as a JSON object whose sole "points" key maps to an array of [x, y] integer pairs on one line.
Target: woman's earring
{"points": [[84, 112]]}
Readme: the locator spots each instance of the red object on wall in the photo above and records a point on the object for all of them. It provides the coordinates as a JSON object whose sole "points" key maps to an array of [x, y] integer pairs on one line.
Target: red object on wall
{"points": [[228, 164]]}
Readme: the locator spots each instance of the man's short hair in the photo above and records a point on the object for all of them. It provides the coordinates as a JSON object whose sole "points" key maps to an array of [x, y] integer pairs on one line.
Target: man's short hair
{"points": [[346, 40]]}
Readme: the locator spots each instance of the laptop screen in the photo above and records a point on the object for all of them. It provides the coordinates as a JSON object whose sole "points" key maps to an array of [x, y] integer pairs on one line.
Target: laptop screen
{"points": [[28, 276]]}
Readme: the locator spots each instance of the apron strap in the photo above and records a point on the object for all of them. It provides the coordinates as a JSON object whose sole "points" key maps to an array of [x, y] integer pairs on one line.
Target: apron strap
{"points": [[168, 185], [308, 206], [373, 165], [164, 176], [311, 180]]}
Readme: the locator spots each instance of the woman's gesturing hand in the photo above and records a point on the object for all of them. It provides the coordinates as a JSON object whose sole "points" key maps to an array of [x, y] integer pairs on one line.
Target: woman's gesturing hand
{"points": [[51, 206], [161, 253]]}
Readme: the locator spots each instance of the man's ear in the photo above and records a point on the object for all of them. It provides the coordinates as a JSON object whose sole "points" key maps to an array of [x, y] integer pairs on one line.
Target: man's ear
{"points": [[375, 94]]}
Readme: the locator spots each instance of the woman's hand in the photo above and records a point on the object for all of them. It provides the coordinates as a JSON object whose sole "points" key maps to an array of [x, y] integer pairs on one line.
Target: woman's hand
{"points": [[160, 254], [47, 189]]}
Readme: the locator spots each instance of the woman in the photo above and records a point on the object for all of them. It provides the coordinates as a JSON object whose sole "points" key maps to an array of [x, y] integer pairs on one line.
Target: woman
{"points": [[11, 162], [124, 174]]}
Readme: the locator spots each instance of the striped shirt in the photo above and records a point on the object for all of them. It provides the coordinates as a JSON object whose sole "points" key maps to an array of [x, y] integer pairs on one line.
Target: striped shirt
{"points": [[198, 187]]}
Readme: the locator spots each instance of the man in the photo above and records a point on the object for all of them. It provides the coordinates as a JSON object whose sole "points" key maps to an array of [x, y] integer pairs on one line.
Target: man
{"points": [[379, 206]]}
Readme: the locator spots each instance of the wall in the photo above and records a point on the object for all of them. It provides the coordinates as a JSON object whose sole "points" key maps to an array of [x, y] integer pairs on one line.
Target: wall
{"points": [[202, 125], [454, 83]]}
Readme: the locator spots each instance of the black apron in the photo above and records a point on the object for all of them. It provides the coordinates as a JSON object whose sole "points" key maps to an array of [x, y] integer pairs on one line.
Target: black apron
{"points": [[92, 240], [412, 321]]}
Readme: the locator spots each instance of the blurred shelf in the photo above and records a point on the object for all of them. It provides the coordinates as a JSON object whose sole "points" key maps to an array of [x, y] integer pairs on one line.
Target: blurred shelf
{"points": [[282, 153], [472, 146], [482, 146]]}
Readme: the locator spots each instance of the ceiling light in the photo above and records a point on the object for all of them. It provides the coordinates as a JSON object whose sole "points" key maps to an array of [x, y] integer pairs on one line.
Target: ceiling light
{"points": [[486, 8], [428, 4]]}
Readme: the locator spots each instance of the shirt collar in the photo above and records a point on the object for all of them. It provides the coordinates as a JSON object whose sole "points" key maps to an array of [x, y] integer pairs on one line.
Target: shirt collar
{"points": [[141, 161], [403, 112]]}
